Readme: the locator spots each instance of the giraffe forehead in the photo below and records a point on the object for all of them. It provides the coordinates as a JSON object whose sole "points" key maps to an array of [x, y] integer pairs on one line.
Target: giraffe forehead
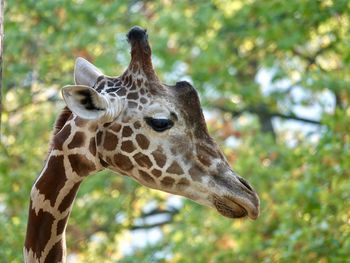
{"points": [[159, 108], [153, 99]]}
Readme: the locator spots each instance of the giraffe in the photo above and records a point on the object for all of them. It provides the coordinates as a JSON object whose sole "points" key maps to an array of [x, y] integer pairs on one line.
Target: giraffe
{"points": [[136, 126]]}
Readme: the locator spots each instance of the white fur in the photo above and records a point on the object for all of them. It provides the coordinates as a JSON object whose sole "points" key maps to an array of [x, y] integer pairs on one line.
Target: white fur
{"points": [[107, 111], [85, 73]]}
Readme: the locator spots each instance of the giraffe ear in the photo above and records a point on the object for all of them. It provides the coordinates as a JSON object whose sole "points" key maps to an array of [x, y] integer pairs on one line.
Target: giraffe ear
{"points": [[85, 73], [85, 102]]}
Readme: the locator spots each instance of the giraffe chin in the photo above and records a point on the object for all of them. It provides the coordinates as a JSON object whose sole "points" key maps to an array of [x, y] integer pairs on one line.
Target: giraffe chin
{"points": [[229, 208]]}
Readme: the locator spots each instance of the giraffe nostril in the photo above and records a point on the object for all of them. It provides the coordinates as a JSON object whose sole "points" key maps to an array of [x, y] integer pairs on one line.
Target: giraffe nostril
{"points": [[245, 183]]}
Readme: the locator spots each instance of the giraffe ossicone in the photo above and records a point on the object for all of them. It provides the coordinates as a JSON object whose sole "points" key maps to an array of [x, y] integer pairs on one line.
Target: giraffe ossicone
{"points": [[136, 126]]}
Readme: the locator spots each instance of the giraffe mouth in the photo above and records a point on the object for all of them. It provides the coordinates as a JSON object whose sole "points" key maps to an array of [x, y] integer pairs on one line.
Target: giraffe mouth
{"points": [[232, 208], [228, 208], [239, 200]]}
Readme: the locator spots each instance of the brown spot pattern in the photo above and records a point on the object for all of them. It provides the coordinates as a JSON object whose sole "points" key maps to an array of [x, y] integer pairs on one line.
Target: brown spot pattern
{"points": [[127, 131], [156, 172], [175, 168], [61, 137], [80, 122], [159, 157], [142, 141], [104, 163], [143, 160], [133, 87], [69, 198], [61, 225], [137, 125], [132, 96], [110, 141], [99, 138], [128, 146], [55, 253], [64, 116], [123, 162], [109, 160], [77, 141], [146, 177], [183, 183], [81, 165], [48, 184], [167, 181], [115, 127], [37, 237], [121, 92], [92, 146]]}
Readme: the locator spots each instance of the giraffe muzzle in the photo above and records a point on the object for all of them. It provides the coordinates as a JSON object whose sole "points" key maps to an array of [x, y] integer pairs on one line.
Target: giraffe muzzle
{"points": [[240, 200]]}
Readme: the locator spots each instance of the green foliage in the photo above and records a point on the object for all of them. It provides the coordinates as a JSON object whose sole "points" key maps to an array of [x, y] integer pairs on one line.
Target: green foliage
{"points": [[303, 182]]}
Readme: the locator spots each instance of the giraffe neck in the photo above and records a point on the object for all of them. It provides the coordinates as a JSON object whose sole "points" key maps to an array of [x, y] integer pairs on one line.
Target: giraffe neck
{"points": [[71, 159]]}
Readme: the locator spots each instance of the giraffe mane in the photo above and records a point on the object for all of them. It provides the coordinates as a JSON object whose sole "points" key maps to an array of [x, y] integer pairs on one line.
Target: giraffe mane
{"points": [[61, 120], [59, 123]]}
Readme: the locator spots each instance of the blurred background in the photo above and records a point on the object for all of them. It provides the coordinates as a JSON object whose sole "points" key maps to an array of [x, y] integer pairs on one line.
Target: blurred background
{"points": [[273, 77]]}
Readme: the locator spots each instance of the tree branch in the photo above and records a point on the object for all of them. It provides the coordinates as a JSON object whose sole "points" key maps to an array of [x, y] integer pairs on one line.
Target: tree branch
{"points": [[265, 111], [148, 226], [171, 212], [295, 118], [158, 211], [311, 59]]}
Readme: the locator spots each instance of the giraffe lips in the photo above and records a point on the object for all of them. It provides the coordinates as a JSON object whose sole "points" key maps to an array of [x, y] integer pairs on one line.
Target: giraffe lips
{"points": [[233, 208]]}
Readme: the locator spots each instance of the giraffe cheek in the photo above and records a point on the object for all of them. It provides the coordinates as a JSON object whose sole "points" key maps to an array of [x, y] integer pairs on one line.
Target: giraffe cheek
{"points": [[142, 141], [159, 157], [123, 162], [175, 168], [110, 141], [128, 147], [196, 173], [142, 160]]}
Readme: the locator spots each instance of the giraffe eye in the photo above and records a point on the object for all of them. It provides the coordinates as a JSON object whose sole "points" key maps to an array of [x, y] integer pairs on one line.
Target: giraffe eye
{"points": [[159, 125]]}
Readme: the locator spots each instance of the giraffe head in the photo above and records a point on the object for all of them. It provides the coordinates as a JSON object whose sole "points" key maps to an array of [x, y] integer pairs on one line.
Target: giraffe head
{"points": [[156, 133]]}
